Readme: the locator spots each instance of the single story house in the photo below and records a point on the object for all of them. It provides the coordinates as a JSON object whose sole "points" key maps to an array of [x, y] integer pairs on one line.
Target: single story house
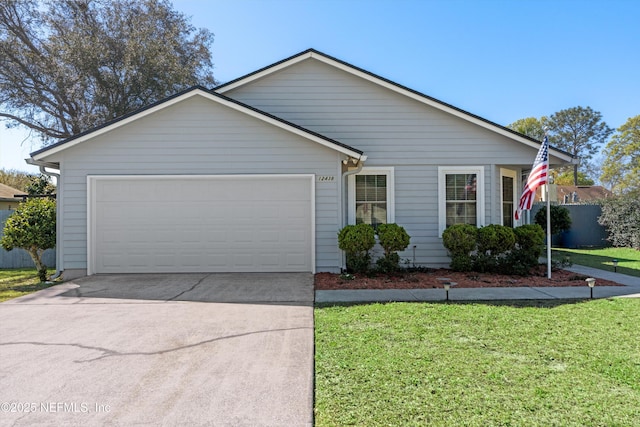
{"points": [[264, 170], [8, 199]]}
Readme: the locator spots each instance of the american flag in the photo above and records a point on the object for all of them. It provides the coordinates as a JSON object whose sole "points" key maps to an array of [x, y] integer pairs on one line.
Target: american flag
{"points": [[538, 176]]}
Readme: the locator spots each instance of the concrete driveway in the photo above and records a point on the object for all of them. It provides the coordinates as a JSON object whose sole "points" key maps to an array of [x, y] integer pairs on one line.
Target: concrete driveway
{"points": [[164, 349]]}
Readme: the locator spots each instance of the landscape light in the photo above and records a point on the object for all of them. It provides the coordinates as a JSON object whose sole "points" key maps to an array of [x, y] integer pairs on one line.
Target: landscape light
{"points": [[447, 285], [591, 282]]}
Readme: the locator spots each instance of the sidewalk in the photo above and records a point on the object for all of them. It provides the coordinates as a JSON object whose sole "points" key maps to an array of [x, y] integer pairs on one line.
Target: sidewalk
{"points": [[630, 289]]}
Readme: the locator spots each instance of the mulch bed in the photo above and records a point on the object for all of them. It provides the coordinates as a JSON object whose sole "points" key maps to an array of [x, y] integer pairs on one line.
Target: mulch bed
{"points": [[429, 280]]}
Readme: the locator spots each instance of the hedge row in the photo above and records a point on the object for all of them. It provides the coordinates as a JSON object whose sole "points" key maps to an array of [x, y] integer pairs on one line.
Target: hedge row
{"points": [[494, 248]]}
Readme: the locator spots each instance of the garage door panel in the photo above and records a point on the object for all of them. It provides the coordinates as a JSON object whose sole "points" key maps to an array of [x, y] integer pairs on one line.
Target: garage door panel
{"points": [[217, 224]]}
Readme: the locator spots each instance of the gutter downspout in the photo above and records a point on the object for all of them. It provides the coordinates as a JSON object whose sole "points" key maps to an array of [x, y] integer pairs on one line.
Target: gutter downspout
{"points": [[359, 164], [44, 171]]}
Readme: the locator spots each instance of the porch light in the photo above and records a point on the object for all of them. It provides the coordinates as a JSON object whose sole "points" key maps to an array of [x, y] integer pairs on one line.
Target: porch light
{"points": [[615, 265], [591, 282]]}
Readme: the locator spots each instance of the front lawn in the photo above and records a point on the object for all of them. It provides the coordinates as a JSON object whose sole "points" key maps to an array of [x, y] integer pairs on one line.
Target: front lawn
{"points": [[476, 364], [18, 282], [628, 259]]}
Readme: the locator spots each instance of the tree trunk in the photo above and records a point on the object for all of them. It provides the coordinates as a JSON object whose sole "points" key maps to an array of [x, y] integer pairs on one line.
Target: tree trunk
{"points": [[42, 269], [575, 175]]}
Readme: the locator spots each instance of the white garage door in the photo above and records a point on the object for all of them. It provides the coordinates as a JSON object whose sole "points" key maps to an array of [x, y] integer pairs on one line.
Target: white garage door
{"points": [[257, 223]]}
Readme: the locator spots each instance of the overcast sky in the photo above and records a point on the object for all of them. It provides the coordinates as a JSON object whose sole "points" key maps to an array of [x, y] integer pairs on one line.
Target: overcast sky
{"points": [[502, 60]]}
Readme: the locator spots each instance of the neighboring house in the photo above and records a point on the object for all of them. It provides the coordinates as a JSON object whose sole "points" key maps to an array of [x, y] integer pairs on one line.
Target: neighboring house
{"points": [[571, 194], [264, 170], [8, 199]]}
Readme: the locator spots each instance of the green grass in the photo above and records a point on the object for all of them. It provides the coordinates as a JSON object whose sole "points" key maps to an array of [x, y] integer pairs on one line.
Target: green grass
{"points": [[525, 364], [628, 259], [18, 282]]}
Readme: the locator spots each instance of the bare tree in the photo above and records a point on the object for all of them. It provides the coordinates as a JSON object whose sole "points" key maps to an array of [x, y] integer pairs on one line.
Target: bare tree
{"points": [[69, 65]]}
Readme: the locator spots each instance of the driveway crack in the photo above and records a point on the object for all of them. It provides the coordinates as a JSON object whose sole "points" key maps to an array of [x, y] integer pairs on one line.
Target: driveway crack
{"points": [[190, 289], [107, 353]]}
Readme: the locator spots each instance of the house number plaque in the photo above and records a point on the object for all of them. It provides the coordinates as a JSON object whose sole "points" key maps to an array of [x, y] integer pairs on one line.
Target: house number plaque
{"points": [[326, 178]]}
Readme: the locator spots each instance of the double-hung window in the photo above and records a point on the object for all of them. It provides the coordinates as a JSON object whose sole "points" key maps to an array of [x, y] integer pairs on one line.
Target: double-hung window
{"points": [[460, 195], [371, 196]]}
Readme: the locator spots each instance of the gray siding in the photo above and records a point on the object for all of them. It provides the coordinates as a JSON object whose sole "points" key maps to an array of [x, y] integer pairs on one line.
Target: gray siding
{"points": [[197, 136], [392, 130]]}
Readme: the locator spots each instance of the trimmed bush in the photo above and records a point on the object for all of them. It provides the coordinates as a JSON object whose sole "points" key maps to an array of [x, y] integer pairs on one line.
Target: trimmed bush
{"points": [[493, 242], [462, 263], [530, 238], [494, 248], [392, 238], [529, 246], [357, 241], [460, 239], [495, 239], [32, 227]]}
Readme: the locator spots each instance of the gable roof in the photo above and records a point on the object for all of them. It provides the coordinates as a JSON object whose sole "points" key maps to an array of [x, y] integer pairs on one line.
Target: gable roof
{"points": [[8, 193], [396, 87], [39, 155]]}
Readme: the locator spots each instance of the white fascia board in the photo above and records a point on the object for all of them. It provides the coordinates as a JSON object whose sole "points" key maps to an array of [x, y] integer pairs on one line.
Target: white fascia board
{"points": [[117, 124], [265, 72], [198, 92]]}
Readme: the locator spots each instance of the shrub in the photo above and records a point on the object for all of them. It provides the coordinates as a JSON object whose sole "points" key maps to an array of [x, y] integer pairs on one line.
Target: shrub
{"points": [[357, 241], [530, 239], [560, 219], [32, 227], [460, 239], [495, 239], [493, 242], [525, 252], [529, 246], [494, 248], [462, 263], [621, 217], [392, 238]]}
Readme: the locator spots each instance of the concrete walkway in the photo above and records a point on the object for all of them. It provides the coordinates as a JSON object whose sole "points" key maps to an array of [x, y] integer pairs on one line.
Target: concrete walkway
{"points": [[630, 289]]}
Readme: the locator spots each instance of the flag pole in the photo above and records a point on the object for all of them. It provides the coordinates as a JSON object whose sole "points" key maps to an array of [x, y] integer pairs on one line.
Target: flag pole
{"points": [[548, 232], [548, 216]]}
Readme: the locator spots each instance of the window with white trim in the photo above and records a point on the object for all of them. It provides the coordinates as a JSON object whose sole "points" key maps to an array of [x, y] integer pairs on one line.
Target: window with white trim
{"points": [[371, 196], [508, 196], [460, 195]]}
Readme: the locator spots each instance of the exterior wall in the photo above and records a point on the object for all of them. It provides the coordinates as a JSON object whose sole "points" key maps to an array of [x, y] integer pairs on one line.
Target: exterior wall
{"points": [[197, 137], [392, 130]]}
